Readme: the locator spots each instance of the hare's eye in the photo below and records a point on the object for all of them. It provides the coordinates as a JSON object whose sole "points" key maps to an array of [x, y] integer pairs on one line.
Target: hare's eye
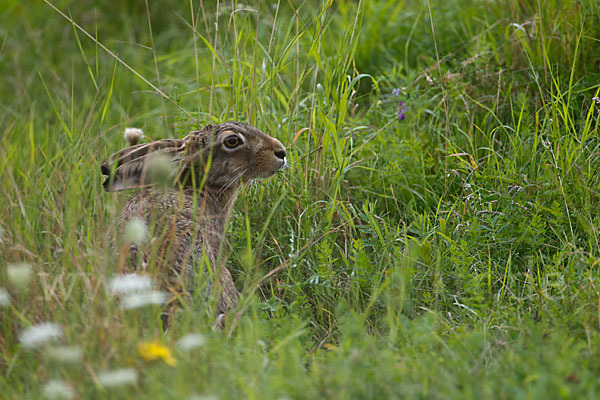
{"points": [[232, 141]]}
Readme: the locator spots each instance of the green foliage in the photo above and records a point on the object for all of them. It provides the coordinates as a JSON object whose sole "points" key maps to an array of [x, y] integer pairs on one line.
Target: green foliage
{"points": [[450, 254]]}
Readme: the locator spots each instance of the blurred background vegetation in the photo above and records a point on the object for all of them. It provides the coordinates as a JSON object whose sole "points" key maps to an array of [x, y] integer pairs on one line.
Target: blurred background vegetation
{"points": [[450, 253]]}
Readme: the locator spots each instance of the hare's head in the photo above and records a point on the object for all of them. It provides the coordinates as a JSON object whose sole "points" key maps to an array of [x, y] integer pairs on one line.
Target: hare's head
{"points": [[228, 153], [236, 152]]}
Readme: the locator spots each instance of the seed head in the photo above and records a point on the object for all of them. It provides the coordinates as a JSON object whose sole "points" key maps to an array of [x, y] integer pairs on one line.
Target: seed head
{"points": [[19, 275], [161, 171], [136, 231], [133, 136]]}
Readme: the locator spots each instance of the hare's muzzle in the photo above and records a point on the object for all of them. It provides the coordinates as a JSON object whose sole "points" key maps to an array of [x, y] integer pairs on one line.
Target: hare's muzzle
{"points": [[279, 151], [269, 158], [280, 154]]}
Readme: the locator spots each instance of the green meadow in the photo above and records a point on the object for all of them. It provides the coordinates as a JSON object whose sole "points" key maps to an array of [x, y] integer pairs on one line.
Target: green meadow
{"points": [[436, 235]]}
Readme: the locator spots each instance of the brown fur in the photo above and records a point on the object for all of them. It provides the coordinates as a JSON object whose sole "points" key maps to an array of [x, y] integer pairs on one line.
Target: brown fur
{"points": [[187, 215]]}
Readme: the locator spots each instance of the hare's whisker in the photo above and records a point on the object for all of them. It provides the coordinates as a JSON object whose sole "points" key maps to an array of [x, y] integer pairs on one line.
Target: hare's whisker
{"points": [[236, 178], [230, 183]]}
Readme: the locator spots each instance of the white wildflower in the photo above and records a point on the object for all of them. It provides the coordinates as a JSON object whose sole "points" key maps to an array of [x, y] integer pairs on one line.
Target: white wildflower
{"points": [[65, 354], [4, 298], [19, 275], [124, 284], [191, 341], [133, 136], [140, 299], [136, 231], [118, 377], [37, 335], [58, 389]]}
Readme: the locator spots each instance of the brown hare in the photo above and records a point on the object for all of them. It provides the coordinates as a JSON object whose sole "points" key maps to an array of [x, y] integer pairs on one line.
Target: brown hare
{"points": [[187, 190]]}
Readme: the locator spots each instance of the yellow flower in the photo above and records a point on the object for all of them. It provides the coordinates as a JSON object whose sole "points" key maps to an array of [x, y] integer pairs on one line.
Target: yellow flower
{"points": [[151, 351]]}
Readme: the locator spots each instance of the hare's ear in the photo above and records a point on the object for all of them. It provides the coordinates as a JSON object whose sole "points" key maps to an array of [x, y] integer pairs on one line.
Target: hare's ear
{"points": [[128, 168]]}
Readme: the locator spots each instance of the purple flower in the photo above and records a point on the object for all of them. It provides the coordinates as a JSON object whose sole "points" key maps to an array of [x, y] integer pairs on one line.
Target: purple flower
{"points": [[396, 92], [402, 108]]}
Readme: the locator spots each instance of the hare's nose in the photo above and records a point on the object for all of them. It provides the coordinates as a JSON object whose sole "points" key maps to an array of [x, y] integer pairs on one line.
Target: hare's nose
{"points": [[280, 154]]}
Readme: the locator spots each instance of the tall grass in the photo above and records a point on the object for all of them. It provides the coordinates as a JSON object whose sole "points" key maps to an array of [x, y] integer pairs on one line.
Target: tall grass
{"points": [[450, 254]]}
